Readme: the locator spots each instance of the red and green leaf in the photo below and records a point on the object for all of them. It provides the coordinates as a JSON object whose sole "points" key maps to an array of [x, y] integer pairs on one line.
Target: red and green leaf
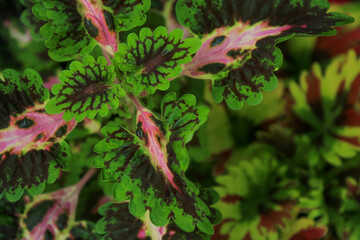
{"points": [[325, 108], [99, 24], [239, 41], [304, 229], [52, 215], [32, 149], [149, 166], [74, 27], [312, 233], [86, 89], [150, 59]]}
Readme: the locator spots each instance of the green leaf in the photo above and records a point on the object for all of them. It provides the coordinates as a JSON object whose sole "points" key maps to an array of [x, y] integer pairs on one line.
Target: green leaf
{"points": [[150, 59], [173, 232], [239, 41], [32, 149], [66, 36], [86, 89], [83, 230], [119, 223], [325, 108], [316, 202], [127, 13], [29, 19], [149, 167]]}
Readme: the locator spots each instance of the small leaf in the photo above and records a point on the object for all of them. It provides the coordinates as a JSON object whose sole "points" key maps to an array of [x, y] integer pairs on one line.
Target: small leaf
{"points": [[239, 41], [149, 167], [86, 89], [150, 59], [31, 142]]}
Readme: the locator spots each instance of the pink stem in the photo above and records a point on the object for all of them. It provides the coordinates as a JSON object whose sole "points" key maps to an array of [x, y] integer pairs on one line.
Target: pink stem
{"points": [[131, 96], [106, 55], [136, 102]]}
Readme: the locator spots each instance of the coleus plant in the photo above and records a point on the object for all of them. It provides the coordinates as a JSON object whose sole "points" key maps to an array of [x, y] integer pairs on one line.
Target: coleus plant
{"points": [[52, 215], [262, 205], [143, 155], [118, 223], [150, 163], [32, 146], [325, 107], [239, 39], [48, 216]]}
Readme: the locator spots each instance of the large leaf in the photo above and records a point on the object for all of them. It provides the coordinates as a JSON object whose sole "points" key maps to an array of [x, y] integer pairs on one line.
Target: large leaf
{"points": [[325, 108], [149, 167], [118, 223], [52, 215], [65, 33], [85, 89], [239, 39], [150, 59], [32, 149], [74, 27]]}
